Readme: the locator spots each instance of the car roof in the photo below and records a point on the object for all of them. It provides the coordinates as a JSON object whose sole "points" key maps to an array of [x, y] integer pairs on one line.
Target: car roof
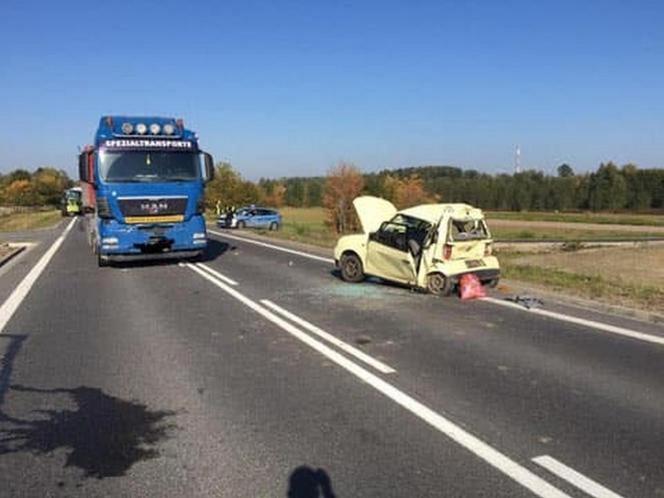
{"points": [[434, 212], [249, 208]]}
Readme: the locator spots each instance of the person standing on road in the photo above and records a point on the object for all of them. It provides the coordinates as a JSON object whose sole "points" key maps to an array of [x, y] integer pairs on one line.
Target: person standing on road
{"points": [[217, 207]]}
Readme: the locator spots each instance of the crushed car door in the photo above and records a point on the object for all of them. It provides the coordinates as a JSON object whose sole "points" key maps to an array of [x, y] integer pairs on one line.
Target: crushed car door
{"points": [[388, 255]]}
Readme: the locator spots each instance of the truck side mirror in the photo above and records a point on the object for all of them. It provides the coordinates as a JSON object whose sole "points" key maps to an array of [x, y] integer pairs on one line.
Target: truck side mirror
{"points": [[209, 167]]}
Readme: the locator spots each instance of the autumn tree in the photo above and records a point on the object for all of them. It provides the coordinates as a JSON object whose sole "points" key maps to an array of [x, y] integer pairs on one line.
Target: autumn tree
{"points": [[411, 192], [229, 188], [49, 184], [344, 182], [19, 193], [272, 193]]}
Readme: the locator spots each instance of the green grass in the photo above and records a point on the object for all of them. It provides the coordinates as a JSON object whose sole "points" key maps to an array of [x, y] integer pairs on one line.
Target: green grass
{"points": [[308, 225], [597, 287], [29, 221], [305, 225], [583, 217], [534, 234]]}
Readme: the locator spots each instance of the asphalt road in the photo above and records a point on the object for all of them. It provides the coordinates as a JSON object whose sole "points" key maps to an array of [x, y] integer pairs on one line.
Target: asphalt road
{"points": [[259, 373]]}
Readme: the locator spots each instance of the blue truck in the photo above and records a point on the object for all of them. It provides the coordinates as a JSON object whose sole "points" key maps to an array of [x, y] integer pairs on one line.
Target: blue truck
{"points": [[143, 189]]}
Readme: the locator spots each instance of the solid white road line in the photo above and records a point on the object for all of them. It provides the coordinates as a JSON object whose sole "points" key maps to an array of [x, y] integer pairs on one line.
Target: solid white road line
{"points": [[272, 246], [503, 463], [378, 365], [217, 274], [15, 299], [582, 321], [577, 479]]}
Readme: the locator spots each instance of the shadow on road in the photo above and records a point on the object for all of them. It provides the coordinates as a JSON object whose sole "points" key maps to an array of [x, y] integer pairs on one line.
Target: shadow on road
{"points": [[7, 362], [305, 482], [104, 435], [214, 250]]}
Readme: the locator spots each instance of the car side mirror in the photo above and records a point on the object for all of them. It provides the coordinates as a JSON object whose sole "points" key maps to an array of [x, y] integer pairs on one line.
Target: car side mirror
{"points": [[209, 167]]}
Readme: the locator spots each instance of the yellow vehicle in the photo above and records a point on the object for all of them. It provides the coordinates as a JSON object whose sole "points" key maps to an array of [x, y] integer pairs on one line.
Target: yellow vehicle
{"points": [[70, 204], [428, 246]]}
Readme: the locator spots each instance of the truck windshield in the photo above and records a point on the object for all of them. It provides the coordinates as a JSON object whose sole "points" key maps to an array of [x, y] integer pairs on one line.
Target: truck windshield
{"points": [[148, 166]]}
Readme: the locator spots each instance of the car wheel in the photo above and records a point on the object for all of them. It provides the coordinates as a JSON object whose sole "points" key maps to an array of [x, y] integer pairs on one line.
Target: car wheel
{"points": [[274, 226], [439, 284], [102, 261], [240, 225], [351, 268]]}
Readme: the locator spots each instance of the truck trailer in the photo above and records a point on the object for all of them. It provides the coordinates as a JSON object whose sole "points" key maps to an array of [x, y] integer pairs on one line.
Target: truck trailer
{"points": [[143, 189]]}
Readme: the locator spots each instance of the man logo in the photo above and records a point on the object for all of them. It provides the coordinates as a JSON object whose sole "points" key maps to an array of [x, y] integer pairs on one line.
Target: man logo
{"points": [[154, 207]]}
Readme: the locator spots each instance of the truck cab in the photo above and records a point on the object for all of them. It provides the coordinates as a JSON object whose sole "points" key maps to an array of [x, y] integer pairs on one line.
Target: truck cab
{"points": [[144, 181]]}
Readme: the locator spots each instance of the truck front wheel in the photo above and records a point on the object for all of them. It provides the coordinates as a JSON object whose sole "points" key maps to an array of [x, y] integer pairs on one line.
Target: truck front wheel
{"points": [[102, 261]]}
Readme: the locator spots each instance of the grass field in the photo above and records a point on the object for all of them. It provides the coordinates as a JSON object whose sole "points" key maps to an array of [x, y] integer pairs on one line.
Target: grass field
{"points": [[308, 225], [29, 221], [305, 225], [625, 276], [585, 217]]}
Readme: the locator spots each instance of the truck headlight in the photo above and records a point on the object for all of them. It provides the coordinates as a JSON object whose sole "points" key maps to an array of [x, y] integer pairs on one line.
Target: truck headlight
{"points": [[141, 128], [155, 128], [111, 241], [127, 128]]}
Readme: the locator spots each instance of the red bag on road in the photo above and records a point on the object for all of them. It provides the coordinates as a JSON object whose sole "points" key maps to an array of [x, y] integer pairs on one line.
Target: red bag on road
{"points": [[470, 287]]}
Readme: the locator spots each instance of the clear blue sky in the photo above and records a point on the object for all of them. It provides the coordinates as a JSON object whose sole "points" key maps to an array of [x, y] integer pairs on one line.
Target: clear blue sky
{"points": [[290, 88]]}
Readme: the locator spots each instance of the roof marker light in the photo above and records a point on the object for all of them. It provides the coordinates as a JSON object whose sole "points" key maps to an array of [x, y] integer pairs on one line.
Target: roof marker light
{"points": [[127, 128], [141, 129], [169, 129], [155, 128]]}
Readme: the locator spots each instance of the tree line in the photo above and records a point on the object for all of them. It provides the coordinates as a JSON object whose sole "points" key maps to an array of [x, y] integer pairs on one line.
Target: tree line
{"points": [[609, 187], [42, 187]]}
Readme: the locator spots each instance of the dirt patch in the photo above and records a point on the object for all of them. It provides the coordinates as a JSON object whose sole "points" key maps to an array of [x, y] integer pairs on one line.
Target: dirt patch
{"points": [[560, 225], [638, 266]]}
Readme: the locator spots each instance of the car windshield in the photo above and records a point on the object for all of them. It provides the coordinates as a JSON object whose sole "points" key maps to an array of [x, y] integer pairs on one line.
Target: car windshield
{"points": [[148, 166], [468, 229], [73, 196]]}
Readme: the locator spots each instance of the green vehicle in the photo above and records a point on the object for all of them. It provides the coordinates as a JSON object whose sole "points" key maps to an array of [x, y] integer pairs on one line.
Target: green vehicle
{"points": [[71, 202]]}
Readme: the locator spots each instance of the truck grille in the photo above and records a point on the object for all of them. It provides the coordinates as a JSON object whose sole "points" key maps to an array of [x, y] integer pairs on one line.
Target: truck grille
{"points": [[152, 206]]}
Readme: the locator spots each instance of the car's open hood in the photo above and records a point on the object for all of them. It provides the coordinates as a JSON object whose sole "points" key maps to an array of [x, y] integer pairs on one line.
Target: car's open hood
{"points": [[372, 211]]}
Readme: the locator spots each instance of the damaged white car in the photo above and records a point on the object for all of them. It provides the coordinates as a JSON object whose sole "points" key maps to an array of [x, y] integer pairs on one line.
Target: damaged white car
{"points": [[428, 246]]}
